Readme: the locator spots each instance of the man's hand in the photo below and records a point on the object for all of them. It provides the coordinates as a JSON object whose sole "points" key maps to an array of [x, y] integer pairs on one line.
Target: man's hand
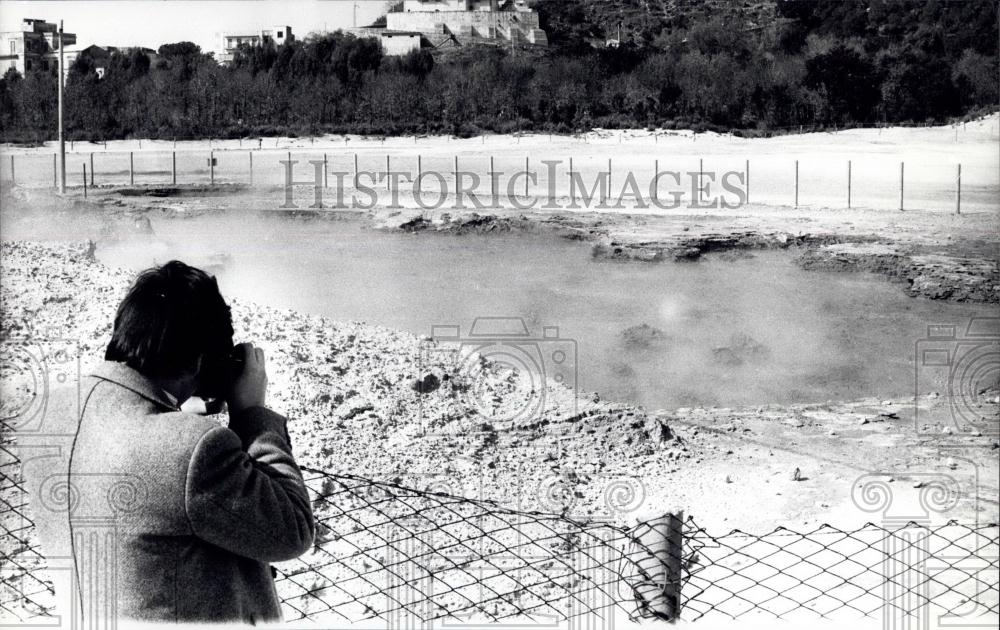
{"points": [[250, 386]]}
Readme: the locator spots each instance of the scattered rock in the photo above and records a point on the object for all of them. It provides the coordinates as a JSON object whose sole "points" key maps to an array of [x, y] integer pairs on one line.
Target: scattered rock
{"points": [[429, 383]]}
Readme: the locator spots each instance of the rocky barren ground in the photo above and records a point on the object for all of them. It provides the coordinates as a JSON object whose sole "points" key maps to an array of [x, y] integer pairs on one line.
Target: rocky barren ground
{"points": [[376, 402]]}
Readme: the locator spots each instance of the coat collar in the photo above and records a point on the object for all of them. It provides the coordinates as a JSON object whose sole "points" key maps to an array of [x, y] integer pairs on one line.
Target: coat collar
{"points": [[126, 377]]}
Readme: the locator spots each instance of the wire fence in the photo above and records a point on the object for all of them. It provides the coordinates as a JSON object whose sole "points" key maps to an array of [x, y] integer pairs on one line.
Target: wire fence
{"points": [[403, 554], [614, 176]]}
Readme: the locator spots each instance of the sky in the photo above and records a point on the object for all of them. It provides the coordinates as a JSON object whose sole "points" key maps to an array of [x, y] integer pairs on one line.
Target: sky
{"points": [[150, 23]]}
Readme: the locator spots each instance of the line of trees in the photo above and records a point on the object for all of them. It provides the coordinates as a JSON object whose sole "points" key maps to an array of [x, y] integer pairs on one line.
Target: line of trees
{"points": [[812, 66]]}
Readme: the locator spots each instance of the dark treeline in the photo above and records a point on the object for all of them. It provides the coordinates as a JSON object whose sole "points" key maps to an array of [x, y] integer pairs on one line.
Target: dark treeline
{"points": [[817, 64]]}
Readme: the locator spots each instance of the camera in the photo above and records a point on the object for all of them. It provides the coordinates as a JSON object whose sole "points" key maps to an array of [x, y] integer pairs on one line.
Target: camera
{"points": [[964, 367], [502, 374], [218, 371]]}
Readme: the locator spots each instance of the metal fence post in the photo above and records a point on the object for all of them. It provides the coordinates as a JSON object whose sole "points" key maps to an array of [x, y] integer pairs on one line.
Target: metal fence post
{"points": [[387, 178], [660, 545], [355, 170], [901, 164], [748, 181], [701, 179], [131, 169], [656, 180], [848, 184], [796, 183], [55, 168], [250, 153], [326, 173], [84, 181], [173, 168], [91, 169], [572, 191], [493, 181], [609, 177], [211, 167], [958, 188], [526, 171], [12, 178]]}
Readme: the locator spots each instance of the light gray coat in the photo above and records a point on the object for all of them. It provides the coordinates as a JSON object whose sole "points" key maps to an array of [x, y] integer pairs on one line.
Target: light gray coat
{"points": [[162, 515]]}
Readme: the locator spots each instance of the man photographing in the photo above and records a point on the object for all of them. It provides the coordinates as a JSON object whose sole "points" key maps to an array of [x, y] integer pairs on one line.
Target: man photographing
{"points": [[197, 510]]}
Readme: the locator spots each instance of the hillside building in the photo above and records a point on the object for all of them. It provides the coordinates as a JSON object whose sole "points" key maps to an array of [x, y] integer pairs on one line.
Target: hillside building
{"points": [[457, 22], [35, 47], [231, 41]]}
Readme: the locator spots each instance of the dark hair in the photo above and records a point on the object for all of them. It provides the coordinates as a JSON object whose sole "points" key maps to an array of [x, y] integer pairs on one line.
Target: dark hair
{"points": [[170, 317]]}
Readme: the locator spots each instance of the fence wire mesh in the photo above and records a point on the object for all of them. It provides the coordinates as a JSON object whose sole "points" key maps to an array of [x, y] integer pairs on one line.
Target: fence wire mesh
{"points": [[396, 553]]}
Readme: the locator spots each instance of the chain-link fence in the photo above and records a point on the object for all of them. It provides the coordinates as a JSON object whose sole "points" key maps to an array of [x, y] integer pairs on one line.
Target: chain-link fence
{"points": [[387, 551]]}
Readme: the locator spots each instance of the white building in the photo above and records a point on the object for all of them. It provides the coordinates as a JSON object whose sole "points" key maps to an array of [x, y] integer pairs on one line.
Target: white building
{"points": [[34, 47], [469, 21], [231, 41]]}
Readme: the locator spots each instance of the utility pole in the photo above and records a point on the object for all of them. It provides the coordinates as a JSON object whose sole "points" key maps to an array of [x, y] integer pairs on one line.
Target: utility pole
{"points": [[62, 139]]}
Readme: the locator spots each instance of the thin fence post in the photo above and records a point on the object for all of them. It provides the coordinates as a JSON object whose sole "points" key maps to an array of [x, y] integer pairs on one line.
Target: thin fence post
{"points": [[91, 169], [131, 169], [211, 166], [609, 179], [701, 179], [326, 173], [355, 170], [848, 184], [84, 181], [748, 181], [13, 179], [796, 183], [493, 181], [250, 155], [55, 183], [656, 180], [901, 164], [958, 189], [420, 165], [387, 178], [173, 168], [572, 192]]}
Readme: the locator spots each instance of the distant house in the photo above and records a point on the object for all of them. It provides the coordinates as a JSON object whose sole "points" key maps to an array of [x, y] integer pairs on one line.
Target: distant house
{"points": [[469, 21], [394, 43], [34, 47], [231, 41]]}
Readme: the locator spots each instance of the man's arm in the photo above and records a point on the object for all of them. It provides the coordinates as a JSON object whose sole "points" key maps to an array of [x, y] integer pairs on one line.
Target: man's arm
{"points": [[244, 491]]}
